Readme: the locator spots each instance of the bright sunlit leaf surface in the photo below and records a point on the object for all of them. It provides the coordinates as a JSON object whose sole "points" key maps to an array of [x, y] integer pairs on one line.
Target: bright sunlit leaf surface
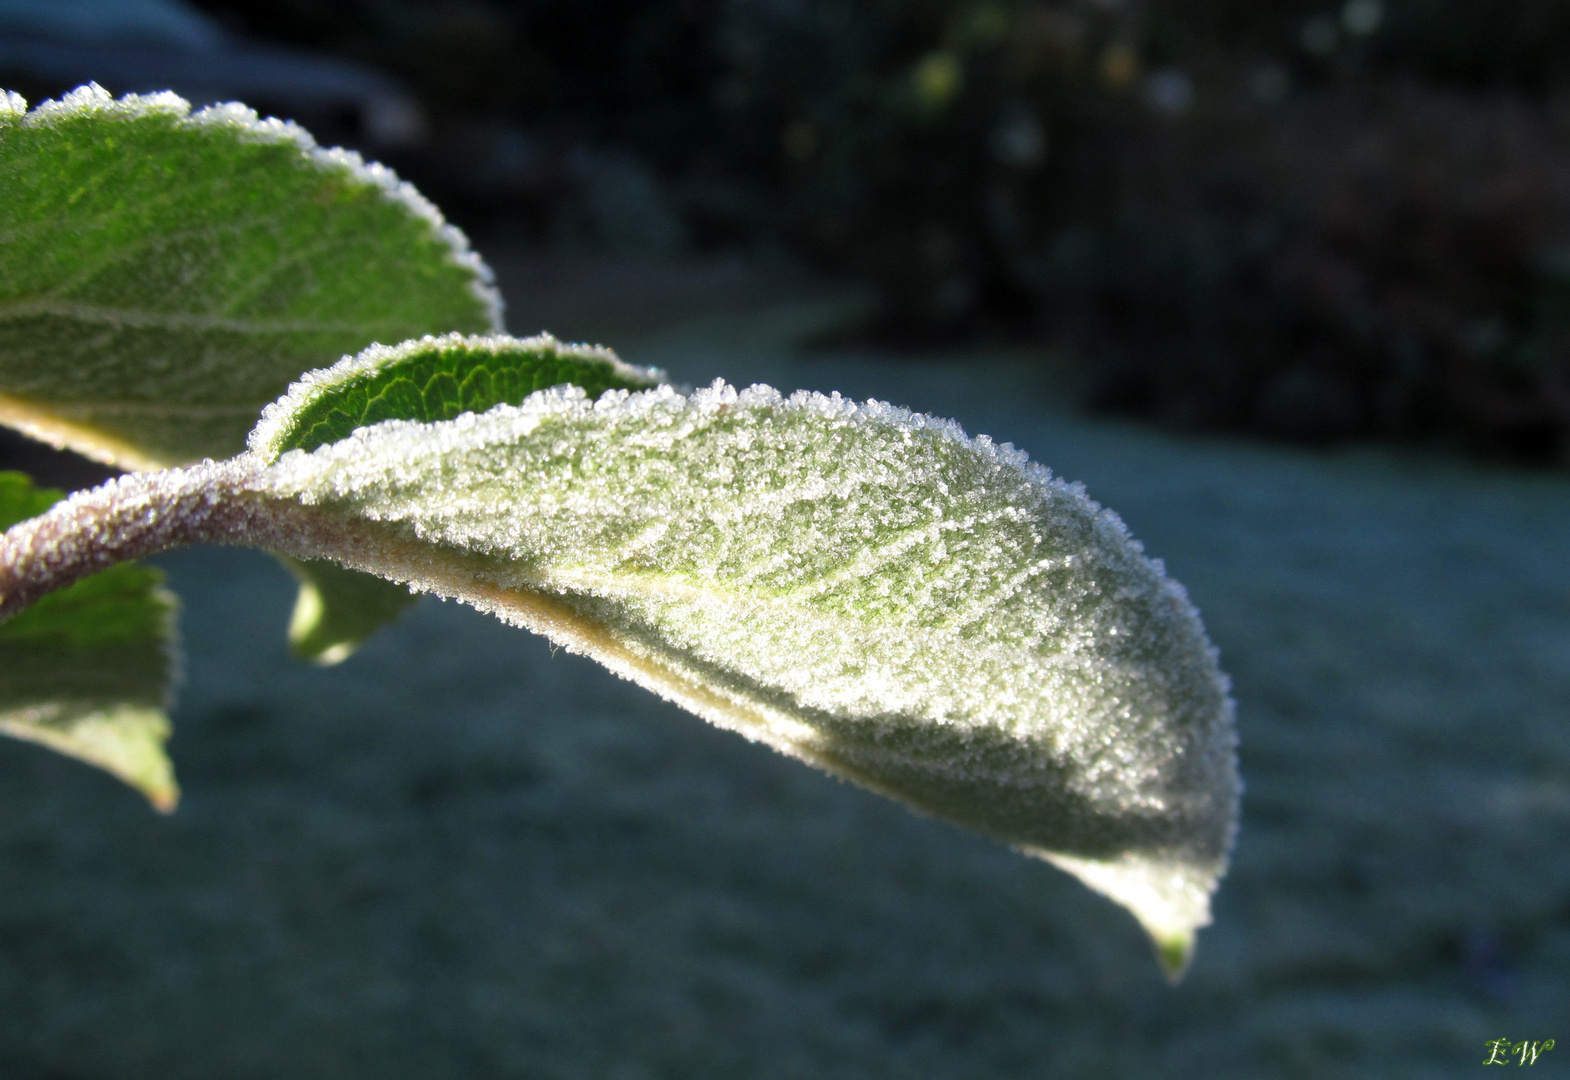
{"points": [[861, 587], [86, 671]]}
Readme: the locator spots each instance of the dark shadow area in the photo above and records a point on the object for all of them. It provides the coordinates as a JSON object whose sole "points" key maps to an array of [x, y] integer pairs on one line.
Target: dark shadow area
{"points": [[1299, 221], [50, 467]]}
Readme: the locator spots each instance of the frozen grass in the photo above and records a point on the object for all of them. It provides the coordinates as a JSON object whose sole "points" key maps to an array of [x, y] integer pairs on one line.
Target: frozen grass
{"points": [[460, 856]]}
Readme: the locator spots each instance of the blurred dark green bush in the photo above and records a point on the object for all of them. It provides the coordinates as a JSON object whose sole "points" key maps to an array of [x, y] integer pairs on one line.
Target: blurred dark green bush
{"points": [[1302, 220], [1377, 260]]}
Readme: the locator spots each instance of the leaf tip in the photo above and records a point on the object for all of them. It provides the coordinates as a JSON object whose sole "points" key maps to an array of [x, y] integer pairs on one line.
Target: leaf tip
{"points": [[1174, 953], [126, 742], [337, 609], [1170, 897], [165, 799]]}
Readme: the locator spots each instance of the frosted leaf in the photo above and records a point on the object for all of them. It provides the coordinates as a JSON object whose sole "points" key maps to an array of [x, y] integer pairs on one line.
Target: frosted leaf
{"points": [[434, 378], [858, 586], [166, 275]]}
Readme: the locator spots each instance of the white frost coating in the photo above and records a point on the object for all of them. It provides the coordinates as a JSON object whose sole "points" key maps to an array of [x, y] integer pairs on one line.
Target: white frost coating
{"points": [[313, 384], [857, 585], [94, 100], [12, 105]]}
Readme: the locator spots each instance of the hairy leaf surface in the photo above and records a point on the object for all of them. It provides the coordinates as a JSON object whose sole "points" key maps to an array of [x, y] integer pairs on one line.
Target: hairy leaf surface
{"points": [[863, 588], [86, 671]]}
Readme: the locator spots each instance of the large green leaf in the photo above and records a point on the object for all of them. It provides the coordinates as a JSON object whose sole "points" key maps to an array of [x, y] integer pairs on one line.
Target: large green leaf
{"points": [[86, 671], [860, 587], [163, 276]]}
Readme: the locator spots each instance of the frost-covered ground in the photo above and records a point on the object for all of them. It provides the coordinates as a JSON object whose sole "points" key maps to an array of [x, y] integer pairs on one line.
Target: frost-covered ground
{"points": [[458, 855]]}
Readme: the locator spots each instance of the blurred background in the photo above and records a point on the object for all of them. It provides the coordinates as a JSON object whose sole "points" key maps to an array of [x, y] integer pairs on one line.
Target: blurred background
{"points": [[1296, 220], [1286, 284]]}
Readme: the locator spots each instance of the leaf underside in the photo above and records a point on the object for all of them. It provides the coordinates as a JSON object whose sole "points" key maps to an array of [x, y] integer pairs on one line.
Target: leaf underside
{"points": [[86, 671], [863, 588]]}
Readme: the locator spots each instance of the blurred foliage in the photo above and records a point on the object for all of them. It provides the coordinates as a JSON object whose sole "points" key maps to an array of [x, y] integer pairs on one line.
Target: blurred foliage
{"points": [[1301, 219]]}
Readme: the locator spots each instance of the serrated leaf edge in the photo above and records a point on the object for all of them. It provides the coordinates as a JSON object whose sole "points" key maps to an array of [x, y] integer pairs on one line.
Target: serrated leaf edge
{"points": [[313, 385]]}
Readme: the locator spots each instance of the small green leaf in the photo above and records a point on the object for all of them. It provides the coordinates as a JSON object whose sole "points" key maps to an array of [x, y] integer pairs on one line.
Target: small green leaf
{"points": [[20, 499], [434, 379], [337, 609], [86, 671], [863, 588]]}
